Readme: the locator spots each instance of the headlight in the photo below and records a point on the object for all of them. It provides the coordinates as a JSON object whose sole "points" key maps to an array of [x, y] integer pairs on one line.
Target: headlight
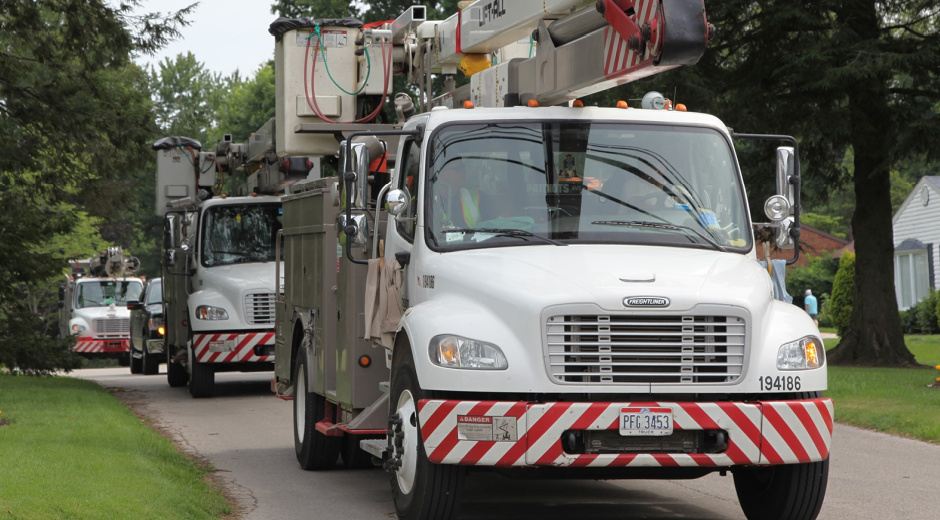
{"points": [[208, 312], [156, 323], [76, 328], [803, 354], [457, 352]]}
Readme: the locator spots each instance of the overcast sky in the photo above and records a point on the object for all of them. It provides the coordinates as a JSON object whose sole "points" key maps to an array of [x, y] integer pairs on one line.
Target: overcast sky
{"points": [[224, 35]]}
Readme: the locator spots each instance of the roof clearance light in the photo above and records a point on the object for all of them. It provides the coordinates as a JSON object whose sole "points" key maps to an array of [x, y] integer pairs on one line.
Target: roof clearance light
{"points": [[577, 103], [622, 104], [681, 107], [468, 104], [533, 103]]}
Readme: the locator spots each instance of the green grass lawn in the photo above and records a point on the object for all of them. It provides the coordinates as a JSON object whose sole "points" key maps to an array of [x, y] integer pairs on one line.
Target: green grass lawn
{"points": [[69, 449], [893, 400]]}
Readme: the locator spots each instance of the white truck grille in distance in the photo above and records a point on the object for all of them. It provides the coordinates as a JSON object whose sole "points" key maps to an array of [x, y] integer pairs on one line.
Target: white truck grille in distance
{"points": [[112, 326], [259, 308], [677, 349]]}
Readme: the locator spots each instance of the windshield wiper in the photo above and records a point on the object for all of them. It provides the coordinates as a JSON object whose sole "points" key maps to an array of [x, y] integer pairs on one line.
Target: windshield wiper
{"points": [[505, 232], [657, 225]]}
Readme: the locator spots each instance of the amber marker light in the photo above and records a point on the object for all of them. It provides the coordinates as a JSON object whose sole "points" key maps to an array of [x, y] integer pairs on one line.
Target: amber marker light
{"points": [[577, 103], [533, 103], [468, 104], [365, 361], [812, 355], [622, 104], [681, 107]]}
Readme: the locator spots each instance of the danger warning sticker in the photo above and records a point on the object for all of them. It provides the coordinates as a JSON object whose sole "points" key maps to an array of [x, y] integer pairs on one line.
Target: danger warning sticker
{"points": [[486, 428]]}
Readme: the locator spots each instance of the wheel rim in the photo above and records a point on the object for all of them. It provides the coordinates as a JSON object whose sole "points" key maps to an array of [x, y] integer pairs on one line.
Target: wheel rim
{"points": [[300, 404], [409, 458]]}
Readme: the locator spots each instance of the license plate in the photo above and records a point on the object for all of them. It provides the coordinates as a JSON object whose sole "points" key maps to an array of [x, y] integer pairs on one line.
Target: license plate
{"points": [[222, 346], [645, 421]]}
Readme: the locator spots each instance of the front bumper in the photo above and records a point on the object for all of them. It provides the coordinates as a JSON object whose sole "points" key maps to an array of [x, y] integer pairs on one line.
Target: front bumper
{"points": [[233, 347], [531, 434], [88, 345]]}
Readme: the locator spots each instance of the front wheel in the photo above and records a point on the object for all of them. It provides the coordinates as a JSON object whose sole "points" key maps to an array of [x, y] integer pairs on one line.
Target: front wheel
{"points": [[150, 364], [787, 492], [421, 489], [314, 450], [201, 377]]}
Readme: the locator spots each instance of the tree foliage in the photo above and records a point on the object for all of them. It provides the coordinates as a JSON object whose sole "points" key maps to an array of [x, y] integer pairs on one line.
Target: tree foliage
{"points": [[74, 117], [843, 293], [857, 83]]}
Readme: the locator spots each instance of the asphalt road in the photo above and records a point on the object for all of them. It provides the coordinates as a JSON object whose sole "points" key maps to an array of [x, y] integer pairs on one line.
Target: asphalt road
{"points": [[245, 433]]}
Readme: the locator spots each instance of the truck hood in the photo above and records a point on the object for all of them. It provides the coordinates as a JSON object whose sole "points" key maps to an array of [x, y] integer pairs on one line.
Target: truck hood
{"points": [[538, 277], [227, 287], [92, 313]]}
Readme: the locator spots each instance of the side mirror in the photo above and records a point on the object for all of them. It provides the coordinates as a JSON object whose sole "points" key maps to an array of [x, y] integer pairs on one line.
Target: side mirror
{"points": [[61, 304], [133, 305], [361, 238], [786, 167], [397, 202], [169, 257], [780, 208]]}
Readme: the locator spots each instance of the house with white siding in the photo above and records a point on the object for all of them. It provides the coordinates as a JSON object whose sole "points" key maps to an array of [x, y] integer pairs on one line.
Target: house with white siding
{"points": [[916, 241]]}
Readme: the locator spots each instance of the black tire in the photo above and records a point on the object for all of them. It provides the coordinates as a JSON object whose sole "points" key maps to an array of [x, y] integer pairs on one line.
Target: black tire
{"points": [[314, 450], [136, 363], [176, 375], [201, 378], [421, 489], [789, 492], [150, 364], [125, 359]]}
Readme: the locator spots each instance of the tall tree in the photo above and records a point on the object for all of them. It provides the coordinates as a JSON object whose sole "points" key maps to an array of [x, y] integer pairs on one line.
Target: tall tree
{"points": [[74, 113], [183, 91], [855, 79]]}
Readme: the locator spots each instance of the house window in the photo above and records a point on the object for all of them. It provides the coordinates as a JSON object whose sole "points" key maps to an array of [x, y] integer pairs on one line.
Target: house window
{"points": [[912, 280]]}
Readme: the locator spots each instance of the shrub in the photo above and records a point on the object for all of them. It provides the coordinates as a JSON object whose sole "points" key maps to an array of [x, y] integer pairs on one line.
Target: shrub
{"points": [[843, 293], [908, 321], [817, 275], [925, 314], [824, 317]]}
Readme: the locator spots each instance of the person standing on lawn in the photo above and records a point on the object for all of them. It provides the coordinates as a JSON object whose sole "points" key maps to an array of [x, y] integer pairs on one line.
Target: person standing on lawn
{"points": [[811, 306]]}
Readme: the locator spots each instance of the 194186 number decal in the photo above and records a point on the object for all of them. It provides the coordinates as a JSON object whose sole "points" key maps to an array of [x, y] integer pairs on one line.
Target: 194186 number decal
{"points": [[779, 383]]}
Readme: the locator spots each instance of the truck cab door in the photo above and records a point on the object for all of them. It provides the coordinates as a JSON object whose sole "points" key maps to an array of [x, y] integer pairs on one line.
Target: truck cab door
{"points": [[402, 228]]}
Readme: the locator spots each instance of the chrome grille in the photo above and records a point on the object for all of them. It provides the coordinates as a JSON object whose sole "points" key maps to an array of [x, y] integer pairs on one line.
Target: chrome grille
{"points": [[112, 326], [259, 308], [667, 349]]}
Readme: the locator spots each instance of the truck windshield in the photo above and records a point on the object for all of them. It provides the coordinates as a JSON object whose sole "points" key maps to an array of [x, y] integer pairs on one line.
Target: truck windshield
{"points": [[240, 234], [105, 292], [583, 182]]}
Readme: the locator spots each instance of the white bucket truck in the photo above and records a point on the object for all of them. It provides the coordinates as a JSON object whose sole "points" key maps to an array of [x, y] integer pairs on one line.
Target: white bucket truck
{"points": [[553, 289]]}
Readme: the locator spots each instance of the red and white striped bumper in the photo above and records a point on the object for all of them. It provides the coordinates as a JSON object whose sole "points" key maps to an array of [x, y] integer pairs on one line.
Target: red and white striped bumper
{"points": [[86, 345], [526, 434], [231, 348]]}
